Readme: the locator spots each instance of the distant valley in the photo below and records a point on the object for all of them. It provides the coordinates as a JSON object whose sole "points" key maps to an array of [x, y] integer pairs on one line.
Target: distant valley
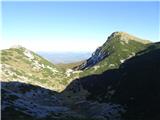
{"points": [[65, 57]]}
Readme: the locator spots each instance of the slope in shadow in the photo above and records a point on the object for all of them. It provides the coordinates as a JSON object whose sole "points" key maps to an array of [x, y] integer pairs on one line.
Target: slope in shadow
{"points": [[135, 84], [18, 98]]}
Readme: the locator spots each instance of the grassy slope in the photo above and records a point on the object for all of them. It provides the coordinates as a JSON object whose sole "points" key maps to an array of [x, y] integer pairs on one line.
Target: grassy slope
{"points": [[119, 50], [20, 65], [69, 65], [135, 84]]}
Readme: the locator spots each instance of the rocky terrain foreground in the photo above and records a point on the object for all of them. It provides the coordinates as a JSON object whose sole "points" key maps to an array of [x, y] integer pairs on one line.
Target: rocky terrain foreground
{"points": [[120, 81]]}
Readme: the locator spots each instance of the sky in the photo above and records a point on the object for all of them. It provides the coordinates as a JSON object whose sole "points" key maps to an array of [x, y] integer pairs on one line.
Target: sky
{"points": [[75, 26]]}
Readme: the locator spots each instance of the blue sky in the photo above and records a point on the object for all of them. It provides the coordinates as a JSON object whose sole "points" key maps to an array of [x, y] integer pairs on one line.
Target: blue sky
{"points": [[75, 26]]}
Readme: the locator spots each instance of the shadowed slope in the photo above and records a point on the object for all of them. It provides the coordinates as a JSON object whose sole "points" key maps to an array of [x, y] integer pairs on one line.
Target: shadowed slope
{"points": [[135, 84]]}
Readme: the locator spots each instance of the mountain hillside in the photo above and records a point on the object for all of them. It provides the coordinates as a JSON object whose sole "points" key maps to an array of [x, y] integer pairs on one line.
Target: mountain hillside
{"points": [[134, 85], [118, 47], [23, 65], [69, 65], [119, 82]]}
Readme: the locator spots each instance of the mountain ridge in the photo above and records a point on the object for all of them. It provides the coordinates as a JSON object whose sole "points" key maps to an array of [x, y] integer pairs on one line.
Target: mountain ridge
{"points": [[118, 47], [22, 64], [124, 36], [134, 84], [122, 85]]}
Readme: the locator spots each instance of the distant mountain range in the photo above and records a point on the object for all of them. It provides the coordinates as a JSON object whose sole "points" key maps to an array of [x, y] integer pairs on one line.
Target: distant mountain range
{"points": [[120, 81]]}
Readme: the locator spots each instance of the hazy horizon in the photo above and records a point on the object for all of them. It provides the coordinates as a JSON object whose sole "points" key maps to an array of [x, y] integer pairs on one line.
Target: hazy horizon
{"points": [[65, 57]]}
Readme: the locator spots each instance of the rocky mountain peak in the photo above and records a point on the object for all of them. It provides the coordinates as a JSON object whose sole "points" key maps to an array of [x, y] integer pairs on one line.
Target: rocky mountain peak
{"points": [[118, 33], [17, 46], [119, 44], [126, 37]]}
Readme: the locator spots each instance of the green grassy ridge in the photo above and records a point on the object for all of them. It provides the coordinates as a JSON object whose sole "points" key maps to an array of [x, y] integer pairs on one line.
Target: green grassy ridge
{"points": [[118, 50], [20, 65], [150, 47]]}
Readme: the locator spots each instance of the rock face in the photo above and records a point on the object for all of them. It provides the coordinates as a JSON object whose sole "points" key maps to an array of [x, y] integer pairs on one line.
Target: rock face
{"points": [[32, 101], [97, 56], [118, 47]]}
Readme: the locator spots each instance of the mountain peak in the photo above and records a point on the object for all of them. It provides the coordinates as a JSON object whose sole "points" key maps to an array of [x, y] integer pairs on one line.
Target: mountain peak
{"points": [[124, 36], [121, 45], [17, 46], [20, 47], [118, 33]]}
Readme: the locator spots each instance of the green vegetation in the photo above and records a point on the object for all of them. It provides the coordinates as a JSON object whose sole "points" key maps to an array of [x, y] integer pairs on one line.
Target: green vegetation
{"points": [[35, 71], [118, 51], [47, 72], [69, 65], [4, 59], [150, 47], [14, 76], [19, 50]]}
